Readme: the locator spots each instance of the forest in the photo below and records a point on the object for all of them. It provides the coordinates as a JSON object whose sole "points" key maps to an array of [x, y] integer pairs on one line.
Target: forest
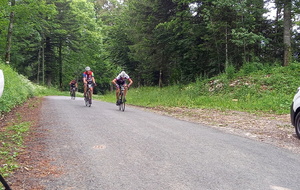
{"points": [[157, 42]]}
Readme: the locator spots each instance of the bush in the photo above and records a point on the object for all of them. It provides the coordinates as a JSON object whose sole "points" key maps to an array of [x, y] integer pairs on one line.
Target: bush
{"points": [[230, 71], [251, 67], [17, 89]]}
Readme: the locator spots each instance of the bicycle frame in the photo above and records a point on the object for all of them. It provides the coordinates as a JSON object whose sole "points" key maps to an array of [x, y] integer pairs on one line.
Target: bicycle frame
{"points": [[72, 92]]}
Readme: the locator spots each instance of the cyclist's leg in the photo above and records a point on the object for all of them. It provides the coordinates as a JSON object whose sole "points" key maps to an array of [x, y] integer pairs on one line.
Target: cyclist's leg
{"points": [[89, 95], [91, 92], [117, 95], [125, 91]]}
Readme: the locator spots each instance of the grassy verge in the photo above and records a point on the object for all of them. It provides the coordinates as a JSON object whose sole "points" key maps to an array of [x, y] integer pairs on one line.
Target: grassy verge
{"points": [[11, 145], [259, 88]]}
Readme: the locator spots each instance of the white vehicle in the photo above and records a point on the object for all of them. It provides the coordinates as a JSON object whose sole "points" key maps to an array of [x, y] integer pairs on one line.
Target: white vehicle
{"points": [[295, 112]]}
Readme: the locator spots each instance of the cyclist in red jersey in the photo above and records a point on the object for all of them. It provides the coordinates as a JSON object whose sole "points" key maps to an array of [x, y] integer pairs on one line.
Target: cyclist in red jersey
{"points": [[121, 80], [88, 78]]}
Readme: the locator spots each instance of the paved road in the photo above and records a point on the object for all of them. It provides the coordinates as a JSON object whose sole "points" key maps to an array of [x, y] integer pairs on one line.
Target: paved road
{"points": [[102, 148]]}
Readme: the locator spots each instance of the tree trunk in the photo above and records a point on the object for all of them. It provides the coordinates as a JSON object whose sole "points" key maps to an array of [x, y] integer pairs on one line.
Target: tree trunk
{"points": [[160, 79], [9, 33], [287, 32], [49, 61], [39, 65], [43, 63], [60, 64], [226, 48]]}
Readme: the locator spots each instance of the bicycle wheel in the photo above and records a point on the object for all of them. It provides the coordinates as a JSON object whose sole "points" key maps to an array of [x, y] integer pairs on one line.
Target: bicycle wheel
{"points": [[123, 103], [90, 98], [73, 94], [86, 101], [86, 98], [90, 101], [120, 101]]}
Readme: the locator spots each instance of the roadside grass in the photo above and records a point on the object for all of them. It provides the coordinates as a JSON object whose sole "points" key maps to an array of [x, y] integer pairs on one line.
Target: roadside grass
{"points": [[46, 91], [258, 88], [17, 89], [172, 97], [11, 145]]}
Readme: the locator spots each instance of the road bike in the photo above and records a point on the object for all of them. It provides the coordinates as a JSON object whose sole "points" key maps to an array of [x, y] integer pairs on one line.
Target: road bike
{"points": [[122, 100], [88, 95], [73, 93]]}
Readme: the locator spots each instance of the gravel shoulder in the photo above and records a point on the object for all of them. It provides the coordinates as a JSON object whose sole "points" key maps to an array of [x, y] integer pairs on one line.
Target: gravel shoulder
{"points": [[268, 128]]}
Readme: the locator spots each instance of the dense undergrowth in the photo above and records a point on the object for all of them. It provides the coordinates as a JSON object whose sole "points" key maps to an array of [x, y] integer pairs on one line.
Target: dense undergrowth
{"points": [[18, 89]]}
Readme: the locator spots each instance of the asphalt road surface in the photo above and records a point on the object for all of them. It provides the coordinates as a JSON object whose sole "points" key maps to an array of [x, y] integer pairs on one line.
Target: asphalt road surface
{"points": [[102, 148]]}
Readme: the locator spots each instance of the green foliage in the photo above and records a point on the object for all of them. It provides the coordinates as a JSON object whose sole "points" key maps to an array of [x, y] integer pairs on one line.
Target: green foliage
{"points": [[242, 37], [230, 71], [155, 41], [251, 67], [168, 41], [11, 144], [54, 40], [17, 89]]}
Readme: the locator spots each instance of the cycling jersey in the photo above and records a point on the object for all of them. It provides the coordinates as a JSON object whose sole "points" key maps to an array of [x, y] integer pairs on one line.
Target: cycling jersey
{"points": [[73, 82], [88, 76], [122, 80]]}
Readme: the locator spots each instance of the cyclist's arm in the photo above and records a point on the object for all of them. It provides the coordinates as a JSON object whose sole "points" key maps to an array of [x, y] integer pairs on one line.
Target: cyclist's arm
{"points": [[114, 81], [84, 78], [130, 82]]}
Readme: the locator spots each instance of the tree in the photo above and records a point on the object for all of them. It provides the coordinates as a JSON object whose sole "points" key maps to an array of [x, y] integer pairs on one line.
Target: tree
{"points": [[30, 36], [9, 33], [287, 31]]}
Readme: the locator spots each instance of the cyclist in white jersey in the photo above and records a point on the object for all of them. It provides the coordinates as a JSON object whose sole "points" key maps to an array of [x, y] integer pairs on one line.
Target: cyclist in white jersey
{"points": [[121, 80]]}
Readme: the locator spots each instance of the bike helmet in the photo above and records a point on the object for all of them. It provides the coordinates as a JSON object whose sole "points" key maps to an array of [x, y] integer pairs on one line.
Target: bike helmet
{"points": [[87, 68], [123, 74]]}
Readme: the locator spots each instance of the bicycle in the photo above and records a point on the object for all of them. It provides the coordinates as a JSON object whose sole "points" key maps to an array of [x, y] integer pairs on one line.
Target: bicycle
{"points": [[73, 92], [122, 99], [88, 96]]}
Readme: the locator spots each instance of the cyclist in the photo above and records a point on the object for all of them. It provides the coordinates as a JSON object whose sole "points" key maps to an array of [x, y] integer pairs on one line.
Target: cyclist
{"points": [[88, 78], [73, 83], [121, 80]]}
